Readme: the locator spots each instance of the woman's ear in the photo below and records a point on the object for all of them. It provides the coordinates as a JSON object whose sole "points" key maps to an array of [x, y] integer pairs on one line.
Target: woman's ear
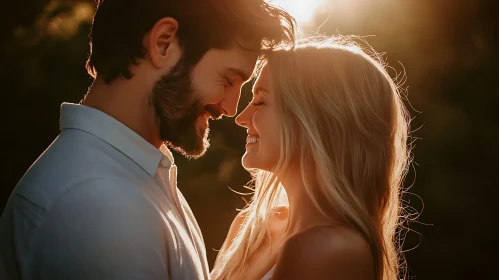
{"points": [[161, 43]]}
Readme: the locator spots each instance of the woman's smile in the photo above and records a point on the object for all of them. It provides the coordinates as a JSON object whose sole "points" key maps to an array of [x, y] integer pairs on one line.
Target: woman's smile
{"points": [[252, 139]]}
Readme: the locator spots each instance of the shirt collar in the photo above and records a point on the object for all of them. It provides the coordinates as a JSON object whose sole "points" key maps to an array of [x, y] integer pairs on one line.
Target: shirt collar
{"points": [[116, 134]]}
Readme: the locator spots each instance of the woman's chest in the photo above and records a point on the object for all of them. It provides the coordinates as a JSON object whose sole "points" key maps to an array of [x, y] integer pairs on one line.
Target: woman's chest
{"points": [[264, 259], [262, 262]]}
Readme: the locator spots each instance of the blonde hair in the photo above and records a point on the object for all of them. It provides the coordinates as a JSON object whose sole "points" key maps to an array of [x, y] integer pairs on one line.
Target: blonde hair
{"points": [[342, 115]]}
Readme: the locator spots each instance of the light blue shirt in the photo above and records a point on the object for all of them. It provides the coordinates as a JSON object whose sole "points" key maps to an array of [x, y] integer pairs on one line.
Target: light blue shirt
{"points": [[100, 203]]}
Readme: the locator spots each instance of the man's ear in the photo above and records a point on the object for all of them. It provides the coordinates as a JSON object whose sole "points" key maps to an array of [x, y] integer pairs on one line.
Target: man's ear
{"points": [[161, 43]]}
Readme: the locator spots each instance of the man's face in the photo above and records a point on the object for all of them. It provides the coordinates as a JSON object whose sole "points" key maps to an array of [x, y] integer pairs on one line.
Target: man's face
{"points": [[186, 98]]}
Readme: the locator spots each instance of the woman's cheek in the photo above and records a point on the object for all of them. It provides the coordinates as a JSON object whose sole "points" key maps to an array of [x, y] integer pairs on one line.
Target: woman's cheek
{"points": [[254, 117], [258, 120]]}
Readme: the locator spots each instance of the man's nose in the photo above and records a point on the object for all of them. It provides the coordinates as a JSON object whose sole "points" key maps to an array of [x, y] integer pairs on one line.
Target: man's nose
{"points": [[230, 102]]}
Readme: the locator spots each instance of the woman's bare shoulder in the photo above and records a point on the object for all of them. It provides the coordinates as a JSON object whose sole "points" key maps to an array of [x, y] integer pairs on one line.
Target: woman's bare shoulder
{"points": [[234, 228], [330, 239], [325, 252]]}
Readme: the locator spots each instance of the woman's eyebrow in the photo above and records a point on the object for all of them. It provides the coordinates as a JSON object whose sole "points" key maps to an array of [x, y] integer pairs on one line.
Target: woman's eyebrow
{"points": [[259, 89]]}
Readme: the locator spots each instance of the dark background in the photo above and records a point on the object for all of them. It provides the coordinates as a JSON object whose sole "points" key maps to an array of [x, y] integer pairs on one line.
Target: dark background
{"points": [[448, 48]]}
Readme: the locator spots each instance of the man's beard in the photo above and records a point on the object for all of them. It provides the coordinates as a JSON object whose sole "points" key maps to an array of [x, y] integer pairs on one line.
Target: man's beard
{"points": [[178, 107]]}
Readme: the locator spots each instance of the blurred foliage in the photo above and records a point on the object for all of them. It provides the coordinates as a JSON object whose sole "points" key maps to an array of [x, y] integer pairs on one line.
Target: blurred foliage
{"points": [[448, 50]]}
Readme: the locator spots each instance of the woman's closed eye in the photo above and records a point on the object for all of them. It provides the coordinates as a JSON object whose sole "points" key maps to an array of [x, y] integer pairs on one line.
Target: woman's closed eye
{"points": [[257, 104]]}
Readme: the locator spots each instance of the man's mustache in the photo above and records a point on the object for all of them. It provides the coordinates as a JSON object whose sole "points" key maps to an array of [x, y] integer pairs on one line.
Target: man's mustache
{"points": [[214, 111]]}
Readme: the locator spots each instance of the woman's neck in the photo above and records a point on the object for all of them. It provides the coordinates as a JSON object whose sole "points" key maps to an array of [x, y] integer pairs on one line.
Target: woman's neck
{"points": [[303, 214]]}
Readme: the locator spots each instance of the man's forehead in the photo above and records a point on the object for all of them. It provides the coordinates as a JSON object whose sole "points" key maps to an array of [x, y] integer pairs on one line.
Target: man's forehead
{"points": [[243, 73], [242, 64], [236, 60], [250, 45]]}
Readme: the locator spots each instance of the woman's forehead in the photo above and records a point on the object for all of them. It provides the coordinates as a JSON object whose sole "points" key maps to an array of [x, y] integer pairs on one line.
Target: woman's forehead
{"points": [[262, 82]]}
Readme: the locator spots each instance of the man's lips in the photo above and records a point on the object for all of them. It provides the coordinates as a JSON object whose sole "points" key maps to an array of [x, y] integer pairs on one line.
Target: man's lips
{"points": [[206, 115]]}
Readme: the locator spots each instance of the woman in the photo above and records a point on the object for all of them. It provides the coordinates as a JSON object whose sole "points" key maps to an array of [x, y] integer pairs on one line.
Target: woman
{"points": [[327, 142]]}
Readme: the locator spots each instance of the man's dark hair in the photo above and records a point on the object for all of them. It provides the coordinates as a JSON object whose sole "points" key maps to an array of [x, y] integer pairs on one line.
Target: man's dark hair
{"points": [[120, 25]]}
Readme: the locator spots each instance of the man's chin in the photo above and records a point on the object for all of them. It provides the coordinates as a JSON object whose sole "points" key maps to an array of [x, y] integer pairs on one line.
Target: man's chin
{"points": [[192, 147]]}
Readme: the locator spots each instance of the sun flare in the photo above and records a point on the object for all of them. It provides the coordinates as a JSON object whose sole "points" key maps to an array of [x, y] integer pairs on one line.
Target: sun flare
{"points": [[301, 10]]}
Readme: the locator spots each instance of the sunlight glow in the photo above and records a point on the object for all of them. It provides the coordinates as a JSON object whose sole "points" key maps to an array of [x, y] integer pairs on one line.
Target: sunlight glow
{"points": [[301, 10]]}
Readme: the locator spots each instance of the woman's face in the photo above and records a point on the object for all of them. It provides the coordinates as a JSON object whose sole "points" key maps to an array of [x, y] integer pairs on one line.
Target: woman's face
{"points": [[259, 117]]}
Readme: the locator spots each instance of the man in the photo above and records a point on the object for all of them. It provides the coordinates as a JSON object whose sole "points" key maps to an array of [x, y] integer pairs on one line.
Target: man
{"points": [[101, 202]]}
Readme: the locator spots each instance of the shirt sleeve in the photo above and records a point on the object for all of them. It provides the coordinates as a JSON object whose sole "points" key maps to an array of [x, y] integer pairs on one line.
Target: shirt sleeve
{"points": [[101, 230]]}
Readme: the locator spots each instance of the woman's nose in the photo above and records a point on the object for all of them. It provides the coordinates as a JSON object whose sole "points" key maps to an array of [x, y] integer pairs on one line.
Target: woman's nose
{"points": [[243, 118]]}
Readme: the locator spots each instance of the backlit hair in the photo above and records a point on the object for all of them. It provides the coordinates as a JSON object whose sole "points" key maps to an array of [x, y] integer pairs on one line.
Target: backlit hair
{"points": [[119, 26]]}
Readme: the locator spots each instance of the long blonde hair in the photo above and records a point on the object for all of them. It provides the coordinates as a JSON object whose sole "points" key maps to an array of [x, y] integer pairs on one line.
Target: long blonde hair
{"points": [[342, 115]]}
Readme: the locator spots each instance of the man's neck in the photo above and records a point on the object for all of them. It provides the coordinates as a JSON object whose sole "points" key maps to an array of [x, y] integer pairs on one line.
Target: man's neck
{"points": [[128, 102]]}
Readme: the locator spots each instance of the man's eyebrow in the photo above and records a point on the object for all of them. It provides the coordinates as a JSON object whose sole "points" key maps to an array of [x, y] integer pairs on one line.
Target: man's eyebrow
{"points": [[242, 74]]}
